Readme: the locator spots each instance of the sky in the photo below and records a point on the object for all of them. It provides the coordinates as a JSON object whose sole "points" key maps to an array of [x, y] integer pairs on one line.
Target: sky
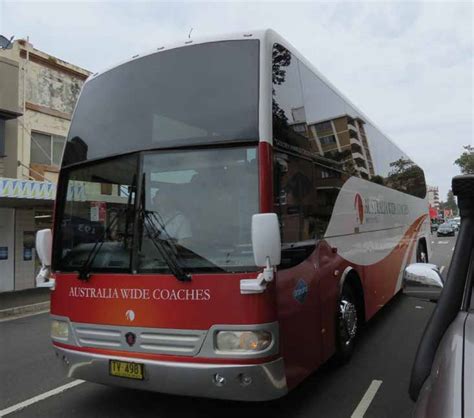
{"points": [[407, 65]]}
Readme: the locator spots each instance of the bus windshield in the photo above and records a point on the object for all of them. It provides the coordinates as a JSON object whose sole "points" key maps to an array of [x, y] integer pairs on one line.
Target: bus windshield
{"points": [[198, 94], [194, 206]]}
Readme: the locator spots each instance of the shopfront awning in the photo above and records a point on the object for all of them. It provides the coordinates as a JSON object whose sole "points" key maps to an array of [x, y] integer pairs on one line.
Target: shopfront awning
{"points": [[26, 193]]}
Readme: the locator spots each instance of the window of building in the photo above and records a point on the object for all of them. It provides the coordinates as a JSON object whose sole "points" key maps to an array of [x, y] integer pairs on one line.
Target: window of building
{"points": [[300, 128], [304, 197], [323, 127], [46, 149], [326, 173], [326, 140]]}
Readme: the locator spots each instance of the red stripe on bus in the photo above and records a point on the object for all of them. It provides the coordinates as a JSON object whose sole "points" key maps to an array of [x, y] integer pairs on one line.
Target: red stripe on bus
{"points": [[164, 357]]}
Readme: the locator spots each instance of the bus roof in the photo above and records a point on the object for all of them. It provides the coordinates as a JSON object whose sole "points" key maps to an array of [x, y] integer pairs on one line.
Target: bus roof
{"points": [[248, 35]]}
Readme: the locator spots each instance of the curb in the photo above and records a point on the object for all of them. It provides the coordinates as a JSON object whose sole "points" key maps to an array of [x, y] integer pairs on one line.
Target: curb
{"points": [[21, 310]]}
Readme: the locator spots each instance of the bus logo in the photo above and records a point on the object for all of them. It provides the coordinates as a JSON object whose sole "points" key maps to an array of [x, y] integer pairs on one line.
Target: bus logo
{"points": [[359, 207], [130, 315], [130, 338], [301, 291]]}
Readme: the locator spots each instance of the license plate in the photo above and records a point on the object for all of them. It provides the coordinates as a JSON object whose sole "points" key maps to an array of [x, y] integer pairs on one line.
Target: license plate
{"points": [[126, 369]]}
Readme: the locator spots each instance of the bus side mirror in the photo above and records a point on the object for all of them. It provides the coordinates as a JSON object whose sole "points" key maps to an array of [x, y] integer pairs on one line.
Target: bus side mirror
{"points": [[266, 241], [43, 249], [423, 281]]}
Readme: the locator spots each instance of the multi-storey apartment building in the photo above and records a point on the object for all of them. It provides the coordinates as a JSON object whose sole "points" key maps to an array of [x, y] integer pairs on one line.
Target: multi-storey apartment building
{"points": [[433, 196], [38, 93], [342, 138]]}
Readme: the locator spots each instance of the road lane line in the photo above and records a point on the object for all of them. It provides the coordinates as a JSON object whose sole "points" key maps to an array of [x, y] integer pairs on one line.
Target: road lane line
{"points": [[452, 249], [39, 398], [443, 242], [366, 399], [441, 269], [12, 318]]}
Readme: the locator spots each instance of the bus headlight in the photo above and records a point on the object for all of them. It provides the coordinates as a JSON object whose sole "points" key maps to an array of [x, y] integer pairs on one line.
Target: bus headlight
{"points": [[243, 341], [59, 329]]}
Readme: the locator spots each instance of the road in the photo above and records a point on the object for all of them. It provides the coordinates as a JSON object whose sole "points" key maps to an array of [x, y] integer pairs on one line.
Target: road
{"points": [[382, 360]]}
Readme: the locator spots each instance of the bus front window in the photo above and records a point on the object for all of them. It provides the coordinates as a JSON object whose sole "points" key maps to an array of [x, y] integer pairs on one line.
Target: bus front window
{"points": [[195, 210], [97, 216], [202, 202], [201, 94]]}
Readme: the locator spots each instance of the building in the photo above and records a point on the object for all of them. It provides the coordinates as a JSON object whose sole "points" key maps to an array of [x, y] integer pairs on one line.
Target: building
{"points": [[433, 196], [38, 93], [342, 139]]}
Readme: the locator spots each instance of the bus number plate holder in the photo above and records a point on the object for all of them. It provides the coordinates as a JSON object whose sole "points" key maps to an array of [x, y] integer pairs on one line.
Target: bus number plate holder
{"points": [[126, 369]]}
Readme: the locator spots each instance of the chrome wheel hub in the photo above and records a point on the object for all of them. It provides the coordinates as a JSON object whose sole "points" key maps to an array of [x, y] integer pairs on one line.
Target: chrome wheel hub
{"points": [[348, 315]]}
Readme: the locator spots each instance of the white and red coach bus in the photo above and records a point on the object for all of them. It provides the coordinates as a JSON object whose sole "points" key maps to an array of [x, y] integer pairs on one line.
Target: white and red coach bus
{"points": [[225, 222]]}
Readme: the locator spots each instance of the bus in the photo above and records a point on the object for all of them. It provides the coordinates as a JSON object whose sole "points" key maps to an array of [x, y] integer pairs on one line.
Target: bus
{"points": [[225, 222]]}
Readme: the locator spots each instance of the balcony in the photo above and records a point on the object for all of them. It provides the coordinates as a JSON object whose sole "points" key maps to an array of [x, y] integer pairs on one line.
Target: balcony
{"points": [[358, 156], [363, 170], [355, 141], [351, 127]]}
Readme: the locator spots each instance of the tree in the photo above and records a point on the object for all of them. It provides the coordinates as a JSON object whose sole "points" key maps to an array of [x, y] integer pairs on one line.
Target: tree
{"points": [[405, 176], [450, 203], [466, 160], [281, 58], [378, 179]]}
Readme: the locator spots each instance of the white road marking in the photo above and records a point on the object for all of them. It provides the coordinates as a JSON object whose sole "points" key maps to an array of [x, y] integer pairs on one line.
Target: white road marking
{"points": [[11, 318], [38, 398], [419, 307], [441, 269], [366, 399], [443, 242], [432, 242], [452, 249]]}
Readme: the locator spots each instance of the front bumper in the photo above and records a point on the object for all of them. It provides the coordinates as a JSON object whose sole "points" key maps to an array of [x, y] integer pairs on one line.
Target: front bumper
{"points": [[191, 379]]}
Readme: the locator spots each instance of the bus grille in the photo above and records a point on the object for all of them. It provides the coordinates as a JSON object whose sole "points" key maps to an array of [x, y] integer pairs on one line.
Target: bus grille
{"points": [[147, 340]]}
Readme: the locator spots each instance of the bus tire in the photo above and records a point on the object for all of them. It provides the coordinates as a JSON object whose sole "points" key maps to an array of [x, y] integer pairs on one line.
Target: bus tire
{"points": [[348, 324], [421, 252]]}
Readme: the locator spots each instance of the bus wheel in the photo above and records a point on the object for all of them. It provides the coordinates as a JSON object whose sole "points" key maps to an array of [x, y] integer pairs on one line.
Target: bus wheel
{"points": [[347, 324], [421, 253]]}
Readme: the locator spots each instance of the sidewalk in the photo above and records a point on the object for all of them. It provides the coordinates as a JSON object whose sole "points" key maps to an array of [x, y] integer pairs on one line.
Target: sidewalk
{"points": [[24, 301]]}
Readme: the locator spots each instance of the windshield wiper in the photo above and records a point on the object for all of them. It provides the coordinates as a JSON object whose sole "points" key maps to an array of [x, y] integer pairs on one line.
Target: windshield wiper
{"points": [[178, 251], [166, 248], [155, 229], [84, 271]]}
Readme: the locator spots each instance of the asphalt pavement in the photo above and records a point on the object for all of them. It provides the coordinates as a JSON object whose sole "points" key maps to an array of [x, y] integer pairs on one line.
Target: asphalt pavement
{"points": [[380, 367]]}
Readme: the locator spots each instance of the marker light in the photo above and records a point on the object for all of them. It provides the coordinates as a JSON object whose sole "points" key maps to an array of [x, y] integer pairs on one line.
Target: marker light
{"points": [[243, 341], [59, 329]]}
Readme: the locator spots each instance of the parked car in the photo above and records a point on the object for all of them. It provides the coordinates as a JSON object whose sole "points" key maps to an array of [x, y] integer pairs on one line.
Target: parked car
{"points": [[445, 230], [454, 224], [442, 378]]}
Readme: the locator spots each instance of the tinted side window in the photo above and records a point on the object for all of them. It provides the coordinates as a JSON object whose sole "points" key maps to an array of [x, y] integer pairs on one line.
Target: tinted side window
{"points": [[310, 118], [392, 167], [289, 118], [294, 196], [304, 197]]}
